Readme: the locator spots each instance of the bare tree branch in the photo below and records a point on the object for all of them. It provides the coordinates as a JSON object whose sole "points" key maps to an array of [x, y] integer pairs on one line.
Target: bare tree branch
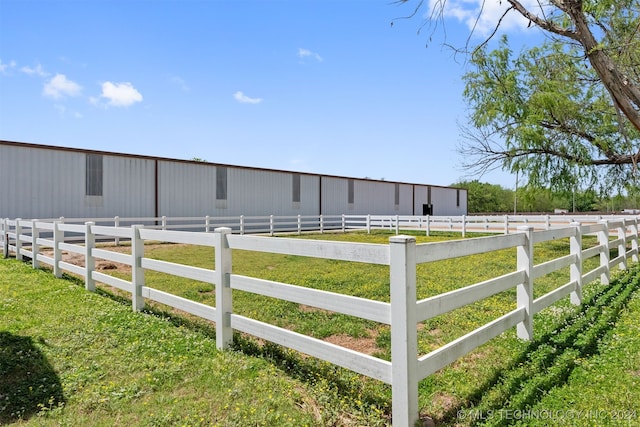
{"points": [[493, 33], [543, 23]]}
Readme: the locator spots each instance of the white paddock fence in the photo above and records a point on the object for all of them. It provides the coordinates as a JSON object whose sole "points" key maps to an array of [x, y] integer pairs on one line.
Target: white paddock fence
{"points": [[619, 237], [273, 224]]}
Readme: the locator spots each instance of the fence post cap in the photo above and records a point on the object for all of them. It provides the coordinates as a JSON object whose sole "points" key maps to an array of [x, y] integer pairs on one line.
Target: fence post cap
{"points": [[402, 239]]}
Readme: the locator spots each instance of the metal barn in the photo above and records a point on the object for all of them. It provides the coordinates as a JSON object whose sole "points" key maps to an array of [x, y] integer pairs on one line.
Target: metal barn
{"points": [[39, 181]]}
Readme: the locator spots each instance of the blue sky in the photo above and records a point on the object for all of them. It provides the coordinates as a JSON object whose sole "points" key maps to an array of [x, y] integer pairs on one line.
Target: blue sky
{"points": [[315, 86]]}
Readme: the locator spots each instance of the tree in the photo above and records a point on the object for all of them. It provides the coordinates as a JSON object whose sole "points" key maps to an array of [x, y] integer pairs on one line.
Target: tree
{"points": [[486, 198], [544, 114], [537, 200], [578, 118]]}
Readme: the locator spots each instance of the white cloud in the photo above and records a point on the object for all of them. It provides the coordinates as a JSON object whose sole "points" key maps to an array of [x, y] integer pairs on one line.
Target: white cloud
{"points": [[306, 53], [63, 112], [179, 81], [244, 99], [119, 94], [59, 86], [4, 67], [36, 71], [481, 16]]}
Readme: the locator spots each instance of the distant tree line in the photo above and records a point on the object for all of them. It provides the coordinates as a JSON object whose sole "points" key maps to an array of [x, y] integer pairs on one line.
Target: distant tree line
{"points": [[492, 198]]}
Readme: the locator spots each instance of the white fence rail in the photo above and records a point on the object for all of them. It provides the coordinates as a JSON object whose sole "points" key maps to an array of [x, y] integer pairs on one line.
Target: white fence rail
{"points": [[272, 224], [402, 254]]}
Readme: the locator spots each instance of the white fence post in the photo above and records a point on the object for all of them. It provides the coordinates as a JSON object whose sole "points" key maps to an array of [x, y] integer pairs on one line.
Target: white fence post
{"points": [[18, 239], [575, 244], [343, 223], [506, 224], [58, 237], [464, 225], [5, 237], [634, 240], [271, 226], [397, 224], [605, 256], [35, 248], [164, 223], [368, 223], [548, 222], [116, 223], [524, 291], [321, 224], [137, 272], [207, 223], [622, 246], [89, 259], [241, 225], [224, 302], [428, 225], [404, 342], [299, 224]]}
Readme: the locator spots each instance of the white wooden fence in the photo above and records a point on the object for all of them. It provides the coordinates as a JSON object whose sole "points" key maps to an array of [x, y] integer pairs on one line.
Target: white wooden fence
{"points": [[272, 224], [402, 313]]}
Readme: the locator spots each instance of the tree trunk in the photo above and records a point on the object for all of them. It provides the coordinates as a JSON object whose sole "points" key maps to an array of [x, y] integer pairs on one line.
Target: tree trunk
{"points": [[624, 93]]}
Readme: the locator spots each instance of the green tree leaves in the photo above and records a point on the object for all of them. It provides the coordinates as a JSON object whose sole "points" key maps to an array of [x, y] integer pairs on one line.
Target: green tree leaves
{"points": [[545, 114], [565, 113]]}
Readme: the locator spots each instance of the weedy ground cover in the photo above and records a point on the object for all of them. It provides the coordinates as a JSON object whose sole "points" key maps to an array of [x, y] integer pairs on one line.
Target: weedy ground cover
{"points": [[583, 372], [70, 357], [494, 376]]}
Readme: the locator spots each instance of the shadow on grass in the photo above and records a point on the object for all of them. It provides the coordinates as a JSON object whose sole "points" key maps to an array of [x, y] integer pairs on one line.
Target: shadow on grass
{"points": [[549, 360], [293, 363], [28, 382]]}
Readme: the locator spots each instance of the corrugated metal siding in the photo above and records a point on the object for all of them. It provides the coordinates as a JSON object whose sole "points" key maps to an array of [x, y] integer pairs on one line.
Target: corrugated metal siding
{"points": [[256, 192], [406, 199], [376, 198], [334, 196], [444, 201], [46, 182], [253, 192], [128, 186], [52, 183], [186, 189], [310, 195], [370, 197], [190, 190], [420, 198]]}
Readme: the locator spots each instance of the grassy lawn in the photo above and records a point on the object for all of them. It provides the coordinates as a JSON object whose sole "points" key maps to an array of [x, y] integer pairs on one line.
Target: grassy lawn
{"points": [[94, 362], [70, 357]]}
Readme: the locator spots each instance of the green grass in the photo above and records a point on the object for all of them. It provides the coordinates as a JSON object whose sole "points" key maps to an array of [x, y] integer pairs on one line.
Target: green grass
{"points": [[128, 363], [584, 371], [70, 357]]}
